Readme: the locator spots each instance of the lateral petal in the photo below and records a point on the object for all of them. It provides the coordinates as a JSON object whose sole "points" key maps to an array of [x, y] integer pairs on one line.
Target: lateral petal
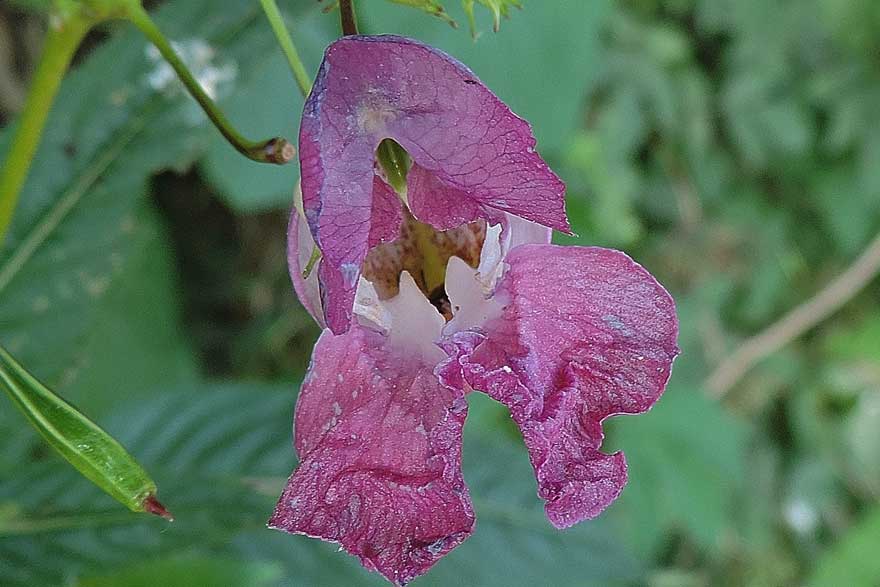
{"points": [[584, 333]]}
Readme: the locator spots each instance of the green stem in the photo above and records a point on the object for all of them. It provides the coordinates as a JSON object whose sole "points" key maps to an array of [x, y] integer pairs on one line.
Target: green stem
{"points": [[276, 21], [277, 150], [60, 46], [349, 20]]}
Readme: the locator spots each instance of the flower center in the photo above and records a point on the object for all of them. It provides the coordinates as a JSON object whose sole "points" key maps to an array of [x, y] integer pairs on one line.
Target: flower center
{"points": [[423, 252]]}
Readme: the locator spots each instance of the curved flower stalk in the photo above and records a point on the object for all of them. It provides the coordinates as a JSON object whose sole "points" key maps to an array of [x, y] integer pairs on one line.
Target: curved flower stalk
{"points": [[449, 287]]}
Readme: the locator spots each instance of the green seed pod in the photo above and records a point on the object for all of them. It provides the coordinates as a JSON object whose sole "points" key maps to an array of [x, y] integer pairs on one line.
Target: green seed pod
{"points": [[93, 452]]}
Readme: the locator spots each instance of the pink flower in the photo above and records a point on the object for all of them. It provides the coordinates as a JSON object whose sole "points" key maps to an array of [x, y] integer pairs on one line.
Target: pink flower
{"points": [[456, 290]]}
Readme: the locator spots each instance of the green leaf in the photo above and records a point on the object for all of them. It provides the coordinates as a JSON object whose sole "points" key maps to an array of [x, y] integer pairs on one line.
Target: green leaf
{"points": [[93, 452], [855, 342], [80, 222], [432, 7], [127, 353], [862, 438], [612, 188], [222, 454], [184, 572], [33, 5], [87, 287], [686, 458], [209, 449], [122, 353], [498, 8], [853, 561]]}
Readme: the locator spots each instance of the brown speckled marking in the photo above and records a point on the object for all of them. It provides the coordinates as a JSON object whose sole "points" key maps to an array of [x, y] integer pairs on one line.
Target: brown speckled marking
{"points": [[385, 262]]}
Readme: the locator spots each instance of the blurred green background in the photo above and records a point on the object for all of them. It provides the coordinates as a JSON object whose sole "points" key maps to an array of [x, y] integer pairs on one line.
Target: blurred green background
{"points": [[730, 146]]}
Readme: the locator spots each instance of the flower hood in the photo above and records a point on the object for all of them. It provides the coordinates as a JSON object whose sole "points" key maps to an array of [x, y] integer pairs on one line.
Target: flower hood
{"points": [[472, 157]]}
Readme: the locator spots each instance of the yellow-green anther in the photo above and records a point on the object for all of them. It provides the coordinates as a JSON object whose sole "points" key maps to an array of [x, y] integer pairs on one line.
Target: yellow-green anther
{"points": [[433, 262], [316, 255]]}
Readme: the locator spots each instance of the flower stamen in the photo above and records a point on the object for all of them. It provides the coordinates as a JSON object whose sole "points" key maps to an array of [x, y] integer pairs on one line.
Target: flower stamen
{"points": [[424, 252]]}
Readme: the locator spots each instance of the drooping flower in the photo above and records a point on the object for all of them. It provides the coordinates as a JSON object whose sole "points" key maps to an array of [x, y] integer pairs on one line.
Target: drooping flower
{"points": [[452, 286]]}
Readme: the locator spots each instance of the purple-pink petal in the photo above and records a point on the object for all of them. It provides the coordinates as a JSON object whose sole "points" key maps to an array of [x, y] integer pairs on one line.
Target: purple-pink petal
{"points": [[443, 206], [386, 214], [585, 333], [456, 131], [380, 445]]}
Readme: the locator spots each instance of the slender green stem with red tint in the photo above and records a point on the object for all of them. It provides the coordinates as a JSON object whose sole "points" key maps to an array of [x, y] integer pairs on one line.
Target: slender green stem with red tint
{"points": [[348, 18]]}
